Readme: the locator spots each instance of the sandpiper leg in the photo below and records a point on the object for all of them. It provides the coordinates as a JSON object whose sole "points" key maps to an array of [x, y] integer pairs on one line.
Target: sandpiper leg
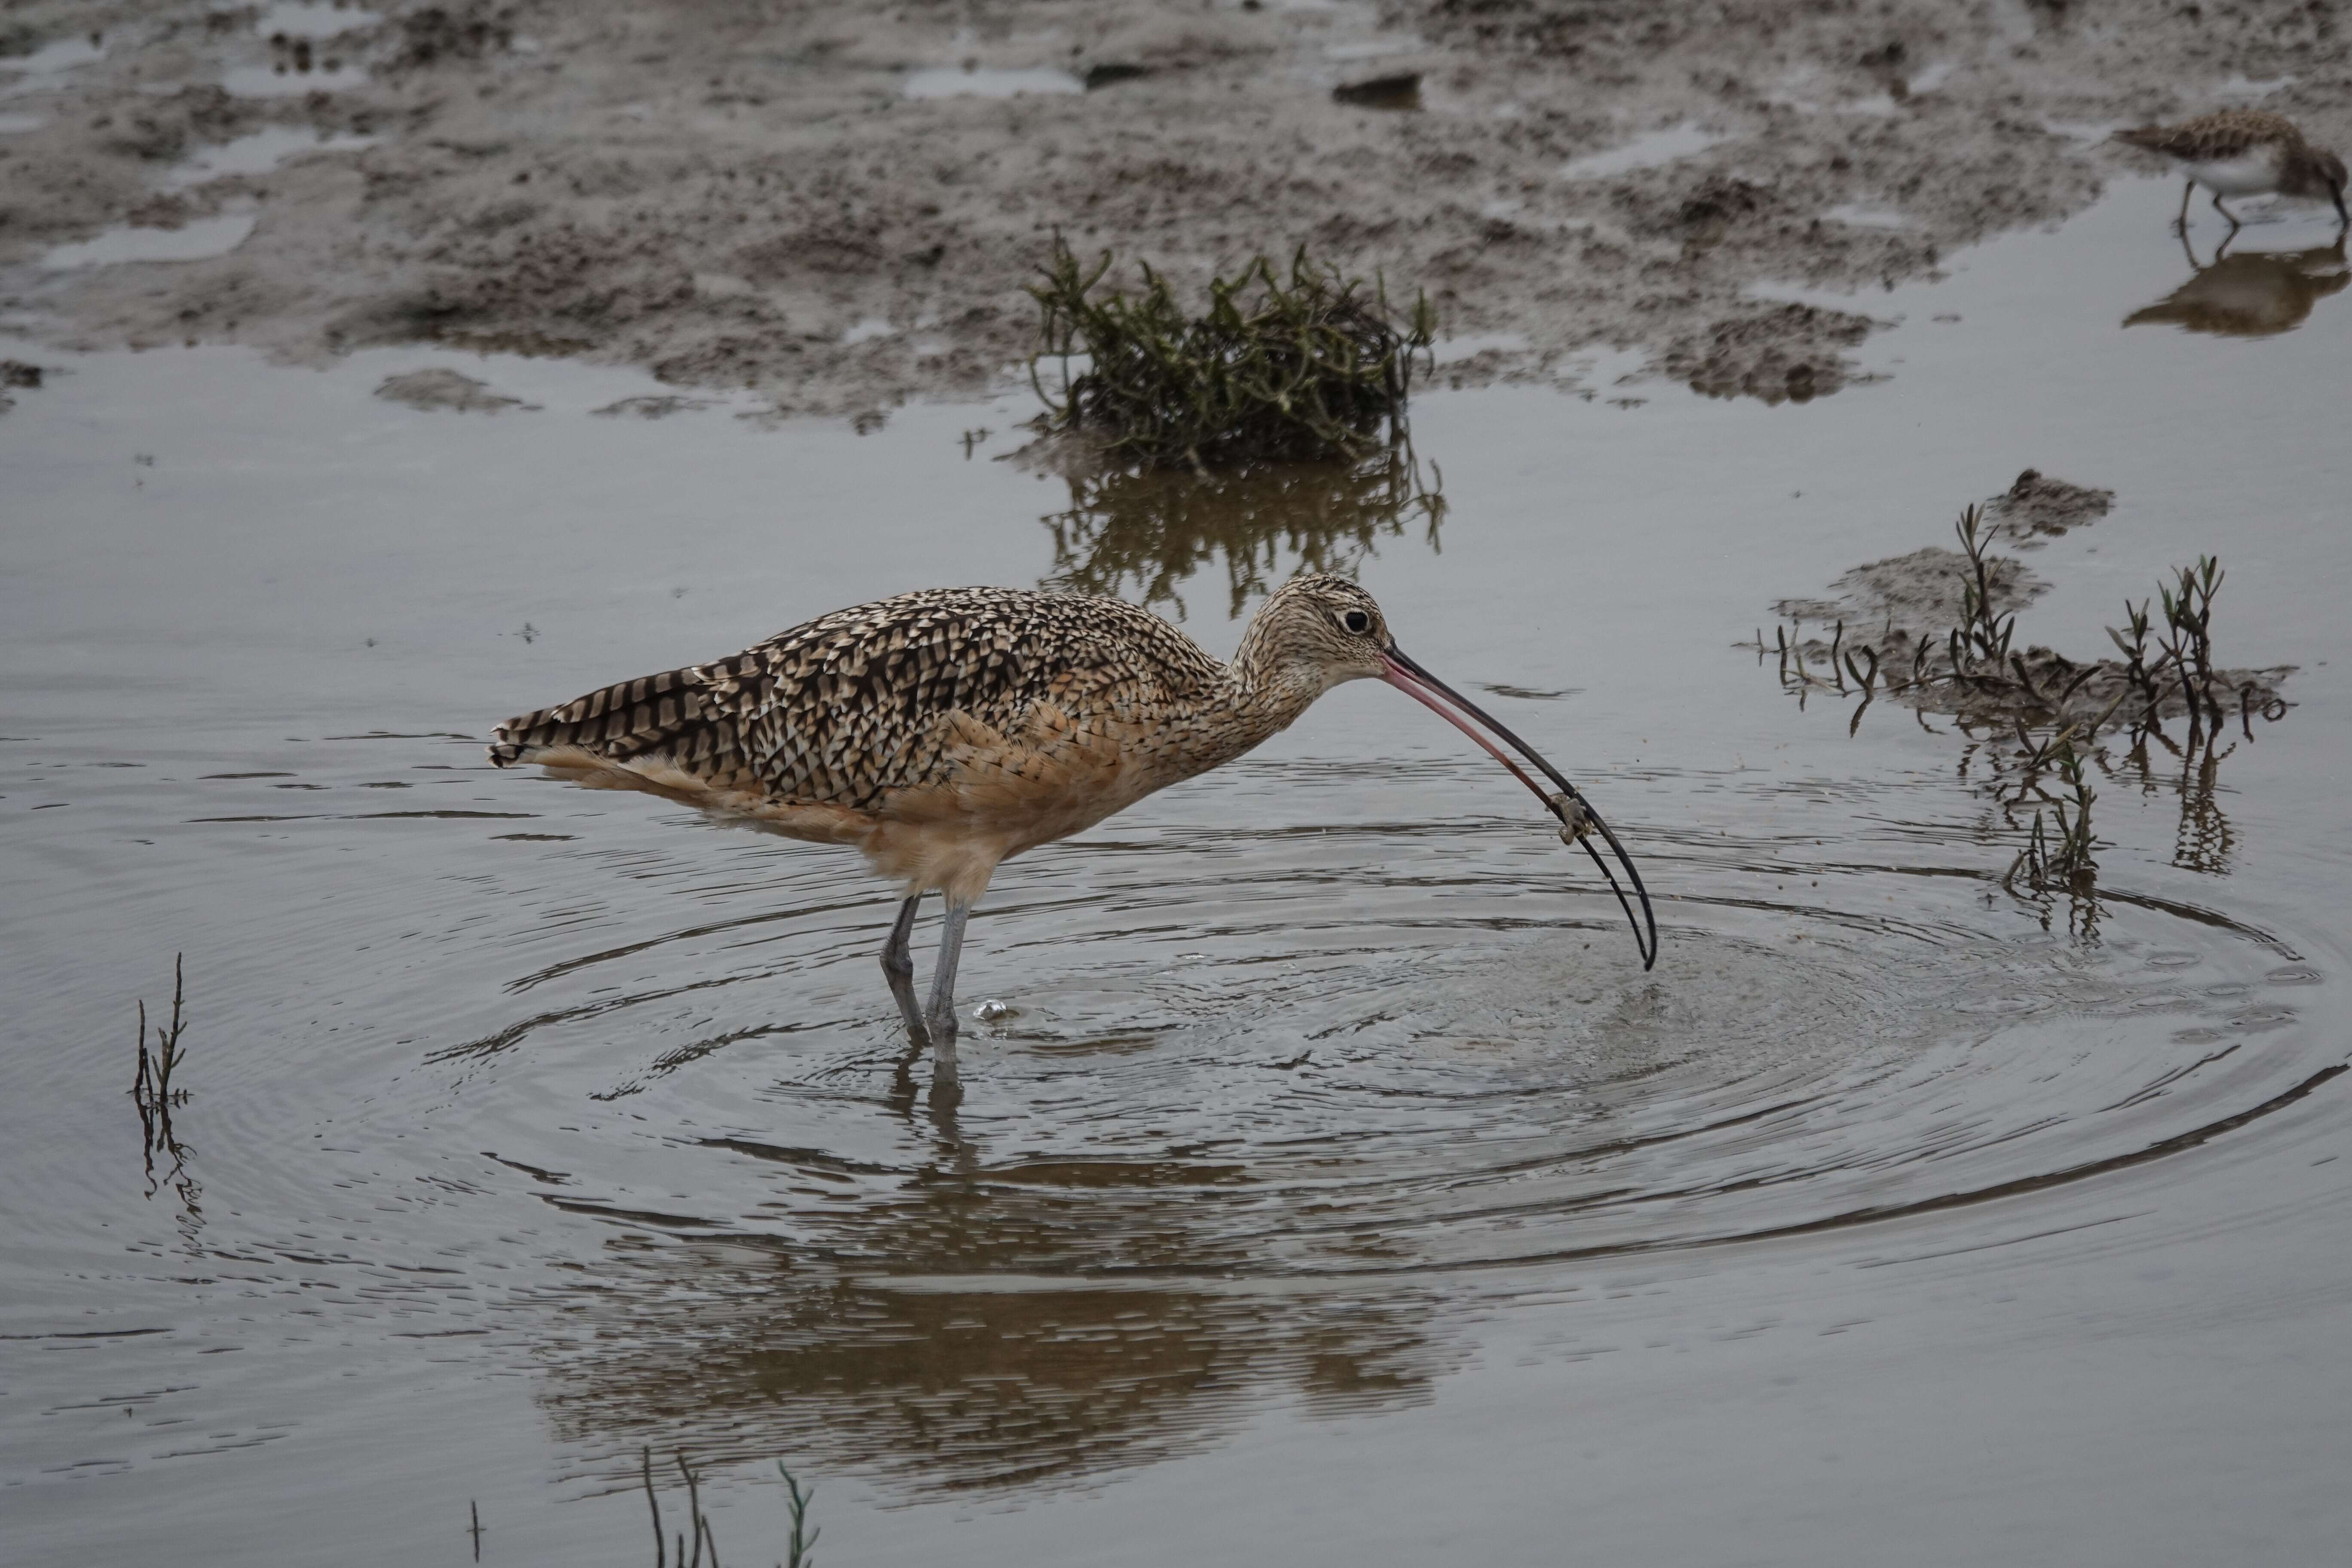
{"points": [[2225, 212], [898, 969], [2186, 191], [941, 1017]]}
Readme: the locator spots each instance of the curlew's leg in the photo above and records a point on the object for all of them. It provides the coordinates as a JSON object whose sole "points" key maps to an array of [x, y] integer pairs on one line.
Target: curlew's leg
{"points": [[941, 1017], [2186, 191], [898, 969], [2225, 212]]}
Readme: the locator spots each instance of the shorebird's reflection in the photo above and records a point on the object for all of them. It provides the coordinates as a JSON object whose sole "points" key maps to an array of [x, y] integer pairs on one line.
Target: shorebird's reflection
{"points": [[745, 1362], [2250, 294], [968, 1318]]}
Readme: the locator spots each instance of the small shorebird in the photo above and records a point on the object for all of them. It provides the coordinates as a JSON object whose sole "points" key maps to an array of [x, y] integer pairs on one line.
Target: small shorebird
{"points": [[941, 732], [2244, 152]]}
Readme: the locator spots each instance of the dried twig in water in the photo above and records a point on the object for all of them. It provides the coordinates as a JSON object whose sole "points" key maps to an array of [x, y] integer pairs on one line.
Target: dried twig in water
{"points": [[803, 1542], [690, 1549], [654, 1502], [152, 1088], [155, 1094], [700, 1520]]}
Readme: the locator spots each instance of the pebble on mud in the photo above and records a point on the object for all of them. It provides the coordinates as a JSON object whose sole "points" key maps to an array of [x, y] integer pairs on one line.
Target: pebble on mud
{"points": [[2038, 509], [651, 406], [1781, 353], [14, 373], [436, 34], [441, 388], [1112, 71], [1401, 91]]}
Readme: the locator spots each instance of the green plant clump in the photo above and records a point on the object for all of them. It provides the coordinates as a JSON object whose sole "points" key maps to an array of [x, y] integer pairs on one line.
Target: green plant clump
{"points": [[1313, 366]]}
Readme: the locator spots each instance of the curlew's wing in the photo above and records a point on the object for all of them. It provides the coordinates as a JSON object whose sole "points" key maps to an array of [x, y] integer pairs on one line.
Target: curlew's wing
{"points": [[856, 705]]}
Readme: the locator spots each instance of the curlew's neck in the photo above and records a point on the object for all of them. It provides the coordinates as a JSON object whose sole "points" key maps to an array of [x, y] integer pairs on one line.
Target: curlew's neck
{"points": [[1248, 702], [1272, 687]]}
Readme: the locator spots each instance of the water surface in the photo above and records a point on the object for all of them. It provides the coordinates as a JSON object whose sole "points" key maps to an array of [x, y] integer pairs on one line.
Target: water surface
{"points": [[1337, 1187]]}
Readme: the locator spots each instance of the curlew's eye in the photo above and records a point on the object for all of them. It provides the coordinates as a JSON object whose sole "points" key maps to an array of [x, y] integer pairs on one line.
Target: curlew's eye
{"points": [[1357, 622]]}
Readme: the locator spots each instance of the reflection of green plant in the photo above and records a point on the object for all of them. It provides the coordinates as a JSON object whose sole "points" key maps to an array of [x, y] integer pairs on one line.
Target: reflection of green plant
{"points": [[2063, 862], [1143, 533], [2204, 840], [1307, 367], [2135, 651]]}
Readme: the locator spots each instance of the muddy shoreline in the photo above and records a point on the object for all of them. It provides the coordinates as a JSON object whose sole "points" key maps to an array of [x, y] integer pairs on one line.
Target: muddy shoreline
{"points": [[770, 197]]}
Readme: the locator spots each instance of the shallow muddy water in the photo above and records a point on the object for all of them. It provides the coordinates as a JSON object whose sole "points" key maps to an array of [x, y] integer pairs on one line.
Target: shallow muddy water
{"points": [[1336, 1188]]}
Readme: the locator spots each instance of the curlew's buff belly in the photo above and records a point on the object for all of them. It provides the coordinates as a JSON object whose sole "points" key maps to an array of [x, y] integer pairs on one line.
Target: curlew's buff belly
{"points": [[2248, 175]]}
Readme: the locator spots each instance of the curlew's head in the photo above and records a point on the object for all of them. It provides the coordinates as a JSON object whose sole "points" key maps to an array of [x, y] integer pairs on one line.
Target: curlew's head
{"points": [[1317, 630]]}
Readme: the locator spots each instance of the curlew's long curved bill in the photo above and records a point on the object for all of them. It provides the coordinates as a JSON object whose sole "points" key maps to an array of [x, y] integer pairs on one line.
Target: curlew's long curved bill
{"points": [[1426, 690]]}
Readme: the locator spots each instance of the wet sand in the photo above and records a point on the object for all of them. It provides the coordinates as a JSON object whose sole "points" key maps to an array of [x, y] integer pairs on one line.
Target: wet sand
{"points": [[838, 207], [1337, 1187]]}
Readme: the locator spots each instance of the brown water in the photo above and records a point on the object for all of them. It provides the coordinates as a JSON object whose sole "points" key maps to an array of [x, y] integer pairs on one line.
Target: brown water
{"points": [[1339, 1190]]}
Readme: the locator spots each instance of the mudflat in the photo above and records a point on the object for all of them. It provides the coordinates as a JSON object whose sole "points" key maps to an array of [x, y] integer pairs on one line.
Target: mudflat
{"points": [[839, 205]]}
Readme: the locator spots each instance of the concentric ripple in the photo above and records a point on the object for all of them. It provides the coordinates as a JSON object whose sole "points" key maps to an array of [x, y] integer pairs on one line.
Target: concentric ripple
{"points": [[1338, 1065], [1240, 1062]]}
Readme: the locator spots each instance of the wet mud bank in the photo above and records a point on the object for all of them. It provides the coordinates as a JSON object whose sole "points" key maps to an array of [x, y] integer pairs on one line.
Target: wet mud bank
{"points": [[838, 206]]}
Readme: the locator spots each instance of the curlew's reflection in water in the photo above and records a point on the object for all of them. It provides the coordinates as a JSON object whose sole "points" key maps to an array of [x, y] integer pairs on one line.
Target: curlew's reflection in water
{"points": [[740, 1353], [937, 1326], [1139, 535], [2249, 294]]}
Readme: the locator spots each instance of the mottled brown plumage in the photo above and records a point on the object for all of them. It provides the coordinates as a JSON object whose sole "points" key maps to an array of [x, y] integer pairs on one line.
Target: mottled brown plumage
{"points": [[2244, 152], [941, 732]]}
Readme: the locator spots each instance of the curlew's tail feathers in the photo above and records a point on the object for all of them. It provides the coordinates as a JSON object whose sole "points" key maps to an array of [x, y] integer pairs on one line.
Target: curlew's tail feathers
{"points": [[649, 714]]}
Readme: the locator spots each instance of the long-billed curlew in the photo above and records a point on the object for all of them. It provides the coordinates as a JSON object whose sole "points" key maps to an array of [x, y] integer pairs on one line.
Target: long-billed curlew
{"points": [[943, 732], [2244, 152]]}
